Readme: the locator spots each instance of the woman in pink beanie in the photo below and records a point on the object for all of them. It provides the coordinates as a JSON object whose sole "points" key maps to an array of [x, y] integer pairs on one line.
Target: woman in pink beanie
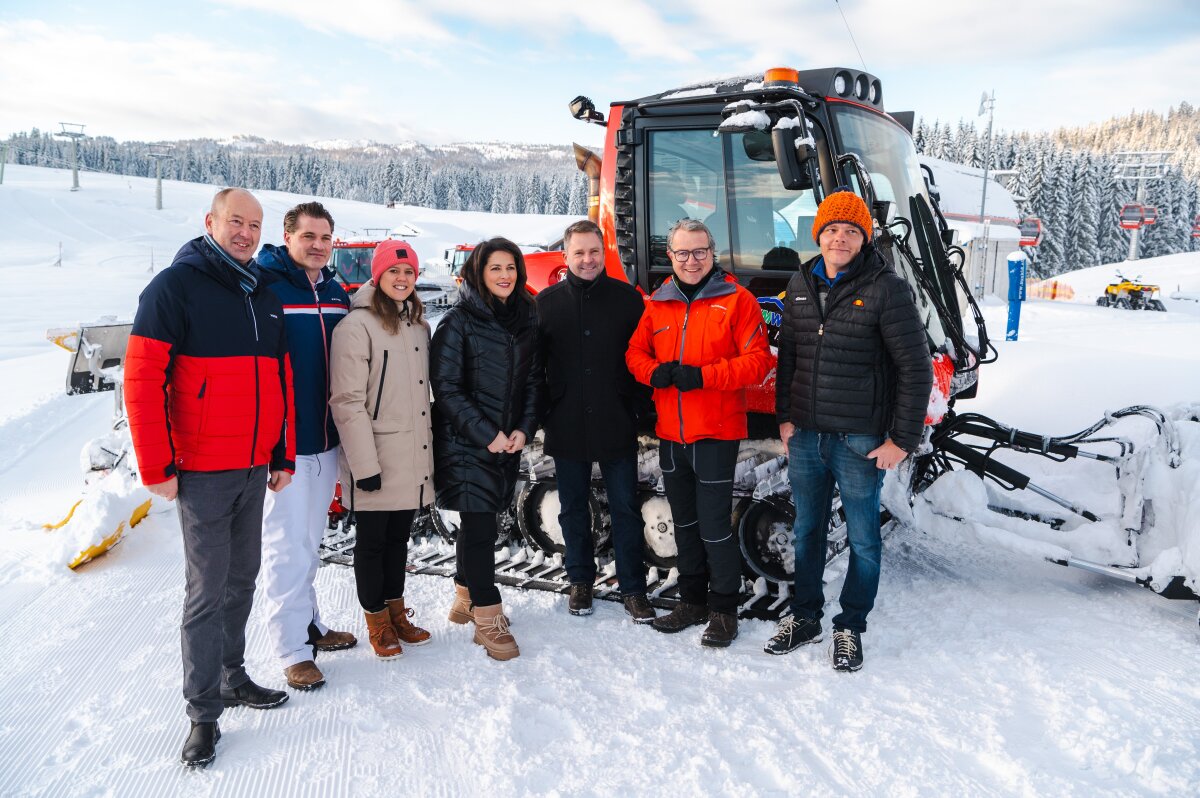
{"points": [[379, 395]]}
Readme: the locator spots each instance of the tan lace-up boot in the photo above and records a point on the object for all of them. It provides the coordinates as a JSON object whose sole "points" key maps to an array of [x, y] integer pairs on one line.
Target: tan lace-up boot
{"points": [[383, 635], [460, 610], [409, 633], [491, 632]]}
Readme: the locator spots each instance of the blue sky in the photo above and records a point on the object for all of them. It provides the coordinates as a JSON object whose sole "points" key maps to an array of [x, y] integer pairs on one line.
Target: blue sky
{"points": [[482, 70]]}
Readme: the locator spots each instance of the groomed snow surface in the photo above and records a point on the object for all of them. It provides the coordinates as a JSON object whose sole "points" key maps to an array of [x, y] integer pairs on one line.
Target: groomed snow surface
{"points": [[987, 672]]}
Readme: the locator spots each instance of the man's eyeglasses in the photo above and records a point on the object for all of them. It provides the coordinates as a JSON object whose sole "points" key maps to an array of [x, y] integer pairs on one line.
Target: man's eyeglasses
{"points": [[683, 255]]}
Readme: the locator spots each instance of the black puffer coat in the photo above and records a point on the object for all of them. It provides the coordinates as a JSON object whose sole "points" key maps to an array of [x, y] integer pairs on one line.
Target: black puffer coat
{"points": [[592, 401], [485, 380], [863, 365]]}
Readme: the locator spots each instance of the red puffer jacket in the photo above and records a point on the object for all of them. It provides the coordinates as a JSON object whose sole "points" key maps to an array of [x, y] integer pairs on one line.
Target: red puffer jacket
{"points": [[721, 330], [208, 381]]}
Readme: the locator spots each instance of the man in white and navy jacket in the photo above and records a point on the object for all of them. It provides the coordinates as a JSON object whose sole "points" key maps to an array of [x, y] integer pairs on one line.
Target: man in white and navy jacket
{"points": [[294, 522]]}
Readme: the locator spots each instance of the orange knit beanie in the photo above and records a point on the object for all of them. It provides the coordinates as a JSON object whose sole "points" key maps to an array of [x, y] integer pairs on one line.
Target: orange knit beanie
{"points": [[843, 206]]}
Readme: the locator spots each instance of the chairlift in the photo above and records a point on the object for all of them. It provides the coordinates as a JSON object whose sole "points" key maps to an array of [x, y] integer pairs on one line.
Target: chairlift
{"points": [[1031, 231], [1149, 215], [1196, 227], [1131, 217]]}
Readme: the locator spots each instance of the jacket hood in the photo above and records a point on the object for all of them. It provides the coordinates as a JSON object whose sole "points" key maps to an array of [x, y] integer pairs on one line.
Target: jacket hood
{"points": [[362, 297], [275, 261]]}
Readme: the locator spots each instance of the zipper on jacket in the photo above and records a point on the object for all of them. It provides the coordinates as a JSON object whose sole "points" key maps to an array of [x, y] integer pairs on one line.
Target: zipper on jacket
{"points": [[512, 345], [257, 388], [325, 346], [687, 310], [379, 393], [820, 339], [203, 387]]}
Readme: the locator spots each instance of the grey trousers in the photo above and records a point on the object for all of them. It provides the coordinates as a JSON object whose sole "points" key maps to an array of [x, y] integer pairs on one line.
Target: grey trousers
{"points": [[220, 513]]}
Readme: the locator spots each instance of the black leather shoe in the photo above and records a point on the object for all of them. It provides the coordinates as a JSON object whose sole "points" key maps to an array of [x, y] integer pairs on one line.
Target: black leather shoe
{"points": [[680, 618], [200, 747], [580, 600], [251, 695], [722, 630], [639, 608]]}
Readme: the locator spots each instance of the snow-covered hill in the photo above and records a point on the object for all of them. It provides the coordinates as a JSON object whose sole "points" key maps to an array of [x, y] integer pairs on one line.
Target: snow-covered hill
{"points": [[988, 672]]}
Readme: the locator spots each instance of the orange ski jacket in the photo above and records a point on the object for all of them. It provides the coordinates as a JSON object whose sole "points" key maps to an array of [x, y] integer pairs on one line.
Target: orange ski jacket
{"points": [[720, 330]]}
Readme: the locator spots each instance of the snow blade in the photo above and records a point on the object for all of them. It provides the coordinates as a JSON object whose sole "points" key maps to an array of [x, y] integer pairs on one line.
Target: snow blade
{"points": [[1123, 475]]}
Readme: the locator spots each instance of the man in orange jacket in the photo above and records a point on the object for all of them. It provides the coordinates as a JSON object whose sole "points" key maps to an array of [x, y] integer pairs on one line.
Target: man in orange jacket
{"points": [[700, 344]]}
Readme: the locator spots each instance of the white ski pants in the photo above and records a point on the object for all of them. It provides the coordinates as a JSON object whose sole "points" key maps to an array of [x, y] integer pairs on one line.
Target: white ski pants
{"points": [[294, 522]]}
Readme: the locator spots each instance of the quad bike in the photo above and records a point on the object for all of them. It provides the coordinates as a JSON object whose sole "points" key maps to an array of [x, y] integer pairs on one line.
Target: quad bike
{"points": [[1130, 295]]}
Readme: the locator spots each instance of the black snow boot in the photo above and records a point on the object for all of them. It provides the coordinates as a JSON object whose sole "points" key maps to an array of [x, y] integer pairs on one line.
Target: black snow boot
{"points": [[580, 600], [791, 633], [200, 747], [680, 618], [722, 630], [847, 650], [253, 696], [638, 607]]}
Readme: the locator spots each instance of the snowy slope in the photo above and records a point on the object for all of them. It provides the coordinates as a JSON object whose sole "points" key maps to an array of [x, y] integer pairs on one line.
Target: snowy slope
{"points": [[987, 673]]}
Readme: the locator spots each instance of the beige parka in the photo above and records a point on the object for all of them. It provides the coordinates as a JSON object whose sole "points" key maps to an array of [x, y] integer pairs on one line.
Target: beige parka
{"points": [[379, 396]]}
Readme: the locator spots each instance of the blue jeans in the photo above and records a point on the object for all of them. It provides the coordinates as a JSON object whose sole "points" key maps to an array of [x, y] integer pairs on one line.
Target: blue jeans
{"points": [[575, 518], [815, 461]]}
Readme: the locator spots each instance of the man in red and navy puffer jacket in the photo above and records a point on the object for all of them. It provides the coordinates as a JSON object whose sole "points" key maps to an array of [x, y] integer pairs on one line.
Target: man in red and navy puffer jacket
{"points": [[208, 391]]}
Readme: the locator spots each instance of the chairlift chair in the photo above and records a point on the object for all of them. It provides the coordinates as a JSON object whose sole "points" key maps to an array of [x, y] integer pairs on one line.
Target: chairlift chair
{"points": [[1031, 231], [1131, 216]]}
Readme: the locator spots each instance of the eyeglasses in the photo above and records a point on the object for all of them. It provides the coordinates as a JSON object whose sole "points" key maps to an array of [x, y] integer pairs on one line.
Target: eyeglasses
{"points": [[683, 255]]}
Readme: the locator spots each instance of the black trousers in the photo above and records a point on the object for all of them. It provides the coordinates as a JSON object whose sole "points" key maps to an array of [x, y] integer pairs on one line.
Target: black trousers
{"points": [[380, 555], [698, 478], [475, 549]]}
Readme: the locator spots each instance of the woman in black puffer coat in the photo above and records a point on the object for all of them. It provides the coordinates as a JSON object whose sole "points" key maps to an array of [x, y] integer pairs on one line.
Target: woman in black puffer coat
{"points": [[486, 378]]}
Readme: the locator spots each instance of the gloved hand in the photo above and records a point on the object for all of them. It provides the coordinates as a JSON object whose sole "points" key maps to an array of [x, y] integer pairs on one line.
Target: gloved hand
{"points": [[687, 378], [661, 376], [370, 484]]}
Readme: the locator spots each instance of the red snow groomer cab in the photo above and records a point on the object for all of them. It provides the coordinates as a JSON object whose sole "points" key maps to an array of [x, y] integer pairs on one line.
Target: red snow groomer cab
{"points": [[753, 157]]}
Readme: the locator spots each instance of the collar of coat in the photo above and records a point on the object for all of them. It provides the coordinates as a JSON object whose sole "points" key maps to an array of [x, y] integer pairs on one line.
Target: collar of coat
{"points": [[721, 284], [867, 265], [473, 303], [276, 261]]}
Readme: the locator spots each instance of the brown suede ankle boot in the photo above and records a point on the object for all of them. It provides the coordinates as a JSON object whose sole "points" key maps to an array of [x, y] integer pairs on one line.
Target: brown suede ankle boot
{"points": [[409, 633], [460, 610], [491, 632], [383, 635]]}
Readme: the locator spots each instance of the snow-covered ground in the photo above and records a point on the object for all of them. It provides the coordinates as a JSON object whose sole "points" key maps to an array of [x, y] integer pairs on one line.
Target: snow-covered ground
{"points": [[988, 672]]}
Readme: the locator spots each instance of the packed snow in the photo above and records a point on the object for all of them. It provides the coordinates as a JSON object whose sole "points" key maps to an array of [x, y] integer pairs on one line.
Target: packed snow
{"points": [[988, 672]]}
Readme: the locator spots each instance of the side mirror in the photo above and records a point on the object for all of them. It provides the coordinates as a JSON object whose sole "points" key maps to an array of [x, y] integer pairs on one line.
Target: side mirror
{"points": [[792, 157]]}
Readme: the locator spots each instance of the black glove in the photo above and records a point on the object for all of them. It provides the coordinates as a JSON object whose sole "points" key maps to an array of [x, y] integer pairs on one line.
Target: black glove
{"points": [[370, 484], [687, 378], [661, 376]]}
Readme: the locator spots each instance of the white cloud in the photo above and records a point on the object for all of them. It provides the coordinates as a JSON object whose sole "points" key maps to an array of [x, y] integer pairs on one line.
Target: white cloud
{"points": [[394, 21], [169, 86]]}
